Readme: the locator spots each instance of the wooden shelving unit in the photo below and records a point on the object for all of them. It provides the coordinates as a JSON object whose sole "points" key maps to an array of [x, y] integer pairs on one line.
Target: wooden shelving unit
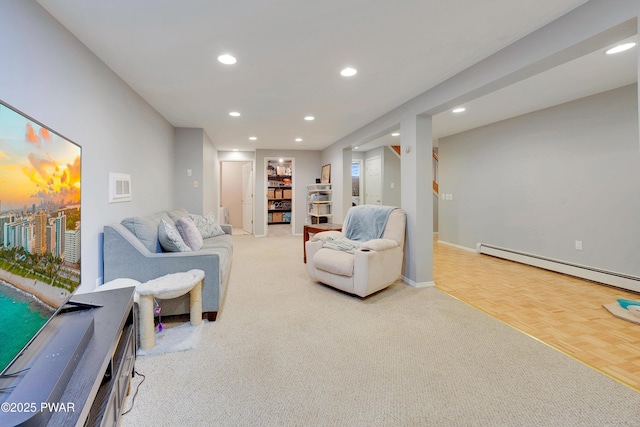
{"points": [[319, 204], [279, 192]]}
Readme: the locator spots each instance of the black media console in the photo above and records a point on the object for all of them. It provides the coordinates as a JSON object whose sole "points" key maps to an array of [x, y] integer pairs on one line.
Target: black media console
{"points": [[77, 371]]}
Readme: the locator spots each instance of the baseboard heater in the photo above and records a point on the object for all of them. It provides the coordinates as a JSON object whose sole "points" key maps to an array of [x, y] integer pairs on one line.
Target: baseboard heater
{"points": [[611, 278]]}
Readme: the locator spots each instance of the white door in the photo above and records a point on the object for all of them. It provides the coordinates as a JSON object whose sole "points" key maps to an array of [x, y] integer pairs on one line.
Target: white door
{"points": [[373, 181], [247, 198], [357, 183]]}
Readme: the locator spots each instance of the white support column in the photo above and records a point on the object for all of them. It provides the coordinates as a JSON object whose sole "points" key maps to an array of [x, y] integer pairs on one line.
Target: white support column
{"points": [[417, 199]]}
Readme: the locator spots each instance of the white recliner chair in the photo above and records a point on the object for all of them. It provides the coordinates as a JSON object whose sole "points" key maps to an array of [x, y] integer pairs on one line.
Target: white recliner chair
{"points": [[363, 265]]}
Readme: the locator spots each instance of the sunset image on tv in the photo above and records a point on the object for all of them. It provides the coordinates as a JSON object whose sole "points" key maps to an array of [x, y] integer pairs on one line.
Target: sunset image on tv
{"points": [[39, 226]]}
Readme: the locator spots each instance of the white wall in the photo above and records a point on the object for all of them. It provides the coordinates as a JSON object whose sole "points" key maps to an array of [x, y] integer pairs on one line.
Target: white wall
{"points": [[189, 169], [539, 182], [211, 177], [236, 156], [391, 181], [194, 154], [49, 75]]}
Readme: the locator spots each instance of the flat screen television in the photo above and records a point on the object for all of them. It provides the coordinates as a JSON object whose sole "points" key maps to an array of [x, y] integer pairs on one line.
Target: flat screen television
{"points": [[40, 173]]}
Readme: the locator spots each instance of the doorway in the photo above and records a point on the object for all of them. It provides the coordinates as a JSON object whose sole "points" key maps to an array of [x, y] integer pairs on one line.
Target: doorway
{"points": [[357, 183], [280, 185], [373, 179], [236, 195]]}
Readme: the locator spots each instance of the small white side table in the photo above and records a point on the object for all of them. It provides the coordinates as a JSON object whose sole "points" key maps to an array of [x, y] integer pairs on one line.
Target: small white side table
{"points": [[167, 287]]}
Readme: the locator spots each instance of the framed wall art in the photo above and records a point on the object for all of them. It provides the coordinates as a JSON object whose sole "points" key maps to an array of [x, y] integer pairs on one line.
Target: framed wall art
{"points": [[325, 177]]}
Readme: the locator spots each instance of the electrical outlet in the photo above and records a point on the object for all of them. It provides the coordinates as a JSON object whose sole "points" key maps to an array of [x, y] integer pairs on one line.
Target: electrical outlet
{"points": [[195, 184], [188, 172], [578, 245]]}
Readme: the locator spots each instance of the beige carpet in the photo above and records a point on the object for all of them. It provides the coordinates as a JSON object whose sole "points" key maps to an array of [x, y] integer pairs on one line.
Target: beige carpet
{"points": [[288, 352]]}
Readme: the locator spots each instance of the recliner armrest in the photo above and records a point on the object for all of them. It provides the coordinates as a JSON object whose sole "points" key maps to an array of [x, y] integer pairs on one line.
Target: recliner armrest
{"points": [[379, 244], [324, 235]]}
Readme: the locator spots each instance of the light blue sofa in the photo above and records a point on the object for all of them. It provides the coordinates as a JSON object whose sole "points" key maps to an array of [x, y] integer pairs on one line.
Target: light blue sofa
{"points": [[132, 250]]}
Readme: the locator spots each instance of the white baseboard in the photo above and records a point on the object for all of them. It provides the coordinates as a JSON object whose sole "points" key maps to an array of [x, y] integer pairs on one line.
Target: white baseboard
{"points": [[442, 242], [611, 278], [418, 284]]}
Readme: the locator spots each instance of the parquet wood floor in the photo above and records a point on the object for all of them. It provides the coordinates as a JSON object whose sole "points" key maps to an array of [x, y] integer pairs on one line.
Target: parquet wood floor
{"points": [[562, 311]]}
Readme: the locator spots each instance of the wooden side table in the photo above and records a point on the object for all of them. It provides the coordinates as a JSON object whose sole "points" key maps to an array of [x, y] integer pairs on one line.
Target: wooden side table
{"points": [[316, 228]]}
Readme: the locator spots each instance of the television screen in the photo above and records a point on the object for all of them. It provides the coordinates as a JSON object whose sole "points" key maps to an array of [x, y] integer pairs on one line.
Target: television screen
{"points": [[39, 228]]}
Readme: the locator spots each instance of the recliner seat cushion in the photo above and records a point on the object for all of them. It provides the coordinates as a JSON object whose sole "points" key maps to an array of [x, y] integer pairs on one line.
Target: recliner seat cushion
{"points": [[335, 262]]}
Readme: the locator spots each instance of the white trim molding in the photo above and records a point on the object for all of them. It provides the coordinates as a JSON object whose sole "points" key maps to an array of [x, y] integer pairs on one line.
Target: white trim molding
{"points": [[442, 242], [410, 282], [611, 278]]}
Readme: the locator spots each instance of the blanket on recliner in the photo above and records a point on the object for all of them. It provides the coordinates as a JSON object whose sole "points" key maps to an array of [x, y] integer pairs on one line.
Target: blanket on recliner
{"points": [[366, 222], [341, 244]]}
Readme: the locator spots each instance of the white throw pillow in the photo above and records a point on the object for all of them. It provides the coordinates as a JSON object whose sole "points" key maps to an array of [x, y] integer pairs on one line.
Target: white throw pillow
{"points": [[189, 233], [170, 238], [207, 225]]}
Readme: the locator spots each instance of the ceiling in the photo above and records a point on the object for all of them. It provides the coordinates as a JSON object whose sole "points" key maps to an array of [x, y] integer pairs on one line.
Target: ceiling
{"points": [[290, 53], [587, 75]]}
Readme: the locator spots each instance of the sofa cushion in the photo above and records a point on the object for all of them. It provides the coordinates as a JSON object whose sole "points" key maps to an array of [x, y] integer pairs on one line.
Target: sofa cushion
{"points": [[335, 262], [224, 241], [207, 225], [189, 233], [170, 238], [176, 214], [146, 229]]}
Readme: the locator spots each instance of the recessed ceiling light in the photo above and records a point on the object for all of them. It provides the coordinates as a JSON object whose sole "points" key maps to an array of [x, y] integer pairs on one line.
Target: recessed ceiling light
{"points": [[234, 114], [309, 118], [281, 160], [355, 148], [620, 48], [227, 59], [252, 138], [395, 134], [458, 110], [348, 72], [298, 139]]}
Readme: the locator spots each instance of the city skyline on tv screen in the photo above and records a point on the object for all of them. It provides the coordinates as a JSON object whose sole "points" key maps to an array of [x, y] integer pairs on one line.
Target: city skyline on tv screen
{"points": [[40, 225]]}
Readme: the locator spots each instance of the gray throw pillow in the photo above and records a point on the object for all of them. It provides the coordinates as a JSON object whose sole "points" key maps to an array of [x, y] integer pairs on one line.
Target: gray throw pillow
{"points": [[207, 225], [189, 233], [146, 229], [170, 238]]}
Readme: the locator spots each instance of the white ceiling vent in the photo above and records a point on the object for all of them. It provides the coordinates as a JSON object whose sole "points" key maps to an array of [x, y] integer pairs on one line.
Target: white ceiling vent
{"points": [[119, 187]]}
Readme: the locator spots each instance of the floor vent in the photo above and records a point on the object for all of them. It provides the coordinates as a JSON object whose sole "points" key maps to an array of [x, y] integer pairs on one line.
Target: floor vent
{"points": [[611, 278]]}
